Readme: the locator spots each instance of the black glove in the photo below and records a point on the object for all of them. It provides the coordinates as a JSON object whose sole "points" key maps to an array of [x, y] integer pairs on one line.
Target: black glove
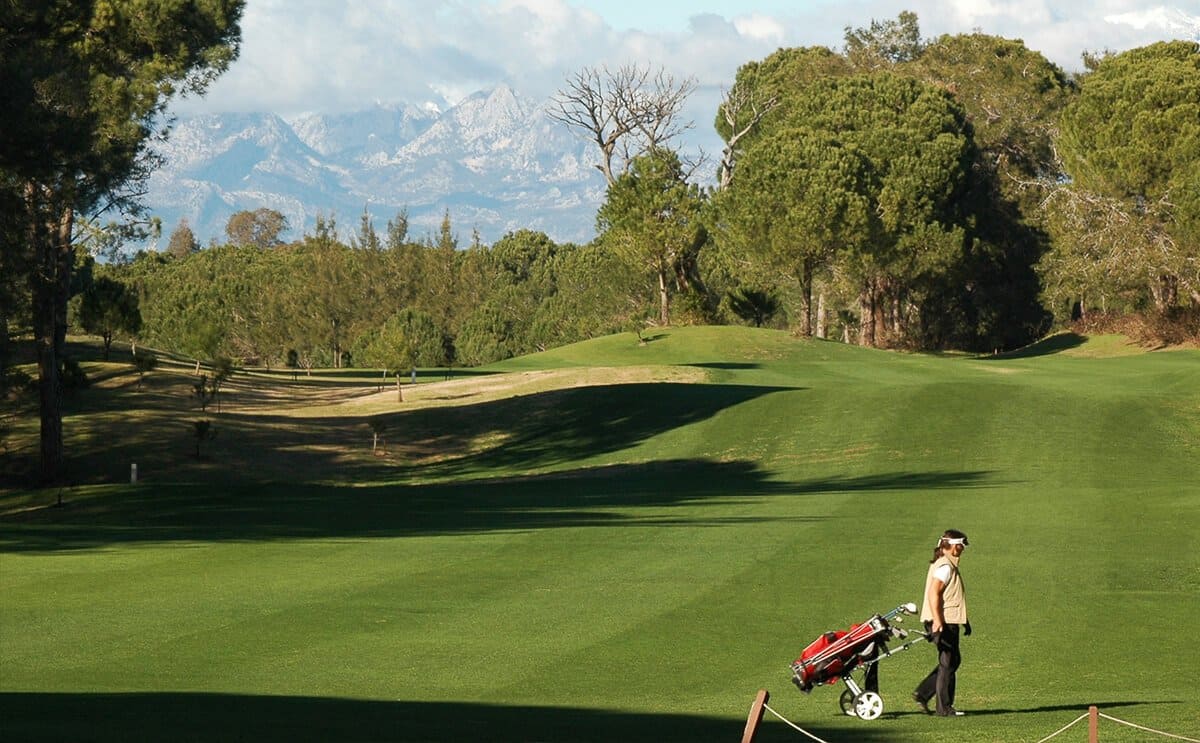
{"points": [[967, 629]]}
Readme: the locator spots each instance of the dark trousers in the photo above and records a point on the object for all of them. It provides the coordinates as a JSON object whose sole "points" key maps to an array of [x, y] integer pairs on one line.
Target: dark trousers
{"points": [[871, 672], [871, 677], [939, 684]]}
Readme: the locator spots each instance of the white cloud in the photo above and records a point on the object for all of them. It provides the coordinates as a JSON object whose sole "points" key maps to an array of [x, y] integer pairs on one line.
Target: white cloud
{"points": [[1060, 29], [760, 27], [308, 55], [1170, 20], [972, 13]]}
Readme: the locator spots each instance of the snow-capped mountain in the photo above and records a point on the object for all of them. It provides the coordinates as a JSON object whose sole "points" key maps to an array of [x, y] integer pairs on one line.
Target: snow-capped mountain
{"points": [[495, 160], [1172, 21], [372, 130]]}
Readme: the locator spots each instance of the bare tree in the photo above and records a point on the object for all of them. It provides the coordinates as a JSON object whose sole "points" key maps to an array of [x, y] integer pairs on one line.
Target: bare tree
{"points": [[742, 110], [625, 112]]}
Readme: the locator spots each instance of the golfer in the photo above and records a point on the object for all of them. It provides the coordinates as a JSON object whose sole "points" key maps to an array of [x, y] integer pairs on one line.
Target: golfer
{"points": [[944, 612]]}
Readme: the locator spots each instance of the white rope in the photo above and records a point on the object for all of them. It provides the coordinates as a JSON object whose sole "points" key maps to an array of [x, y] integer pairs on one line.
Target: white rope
{"points": [[1148, 730], [1064, 729], [1061, 730], [789, 722]]}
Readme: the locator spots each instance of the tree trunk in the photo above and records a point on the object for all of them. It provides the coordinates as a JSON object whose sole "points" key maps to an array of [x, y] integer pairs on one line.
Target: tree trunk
{"points": [[821, 322], [49, 384], [337, 344], [866, 316], [4, 348], [725, 169], [880, 332], [65, 253], [664, 299], [806, 321], [1165, 291], [50, 239]]}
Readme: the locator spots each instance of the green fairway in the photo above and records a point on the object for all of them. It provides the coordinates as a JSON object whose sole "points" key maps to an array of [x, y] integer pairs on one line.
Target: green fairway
{"points": [[611, 541]]}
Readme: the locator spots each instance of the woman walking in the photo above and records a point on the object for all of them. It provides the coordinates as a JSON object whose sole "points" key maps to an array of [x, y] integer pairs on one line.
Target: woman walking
{"points": [[944, 611]]}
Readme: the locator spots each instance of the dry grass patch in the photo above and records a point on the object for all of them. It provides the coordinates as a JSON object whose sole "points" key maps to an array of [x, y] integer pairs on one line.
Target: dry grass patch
{"points": [[996, 369], [271, 426], [487, 388]]}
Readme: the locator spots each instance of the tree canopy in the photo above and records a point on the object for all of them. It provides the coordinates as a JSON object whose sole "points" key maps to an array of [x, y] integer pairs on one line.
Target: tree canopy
{"points": [[984, 248], [867, 168], [108, 308], [1131, 144], [652, 217], [801, 197], [86, 85], [260, 228], [182, 242]]}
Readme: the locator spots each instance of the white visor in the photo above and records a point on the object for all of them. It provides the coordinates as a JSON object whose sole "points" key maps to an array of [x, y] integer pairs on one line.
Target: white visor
{"points": [[954, 540]]}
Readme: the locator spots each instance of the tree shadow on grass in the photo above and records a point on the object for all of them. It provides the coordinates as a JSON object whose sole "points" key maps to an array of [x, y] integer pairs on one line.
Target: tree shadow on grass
{"points": [[1077, 708], [194, 717], [689, 493], [1045, 347], [729, 365], [561, 426], [548, 429]]}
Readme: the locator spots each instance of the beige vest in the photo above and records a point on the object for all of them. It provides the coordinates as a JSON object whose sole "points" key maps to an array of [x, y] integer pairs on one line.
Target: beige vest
{"points": [[954, 600]]}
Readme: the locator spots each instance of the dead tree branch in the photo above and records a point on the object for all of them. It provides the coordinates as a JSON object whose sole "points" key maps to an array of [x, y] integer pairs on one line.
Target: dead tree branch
{"points": [[626, 112]]}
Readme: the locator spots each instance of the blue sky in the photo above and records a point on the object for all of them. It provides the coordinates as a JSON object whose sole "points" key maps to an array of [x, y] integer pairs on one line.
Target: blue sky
{"points": [[325, 55]]}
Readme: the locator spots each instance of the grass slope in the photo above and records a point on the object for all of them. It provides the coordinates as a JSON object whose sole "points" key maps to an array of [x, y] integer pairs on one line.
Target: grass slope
{"points": [[610, 541]]}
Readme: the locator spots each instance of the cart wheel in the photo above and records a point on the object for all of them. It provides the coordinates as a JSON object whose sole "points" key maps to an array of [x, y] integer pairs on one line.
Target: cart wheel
{"points": [[846, 702], [868, 705]]}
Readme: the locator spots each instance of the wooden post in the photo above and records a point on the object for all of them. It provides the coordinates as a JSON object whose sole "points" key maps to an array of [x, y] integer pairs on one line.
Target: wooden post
{"points": [[755, 717], [1093, 724]]}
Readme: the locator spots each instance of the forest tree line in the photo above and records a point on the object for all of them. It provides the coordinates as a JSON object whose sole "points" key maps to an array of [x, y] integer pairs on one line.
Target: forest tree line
{"points": [[383, 301], [961, 192]]}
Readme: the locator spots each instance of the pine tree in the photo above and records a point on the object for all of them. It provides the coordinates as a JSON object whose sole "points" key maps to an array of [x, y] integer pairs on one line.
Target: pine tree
{"points": [[183, 241]]}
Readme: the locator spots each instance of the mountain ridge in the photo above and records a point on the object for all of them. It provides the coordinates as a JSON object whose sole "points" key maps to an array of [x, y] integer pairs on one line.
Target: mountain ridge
{"points": [[495, 161]]}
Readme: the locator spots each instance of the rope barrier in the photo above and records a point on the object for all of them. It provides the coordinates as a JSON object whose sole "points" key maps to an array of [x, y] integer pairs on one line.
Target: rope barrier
{"points": [[1122, 722], [793, 725], [1064, 728], [1148, 730], [1060, 731]]}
